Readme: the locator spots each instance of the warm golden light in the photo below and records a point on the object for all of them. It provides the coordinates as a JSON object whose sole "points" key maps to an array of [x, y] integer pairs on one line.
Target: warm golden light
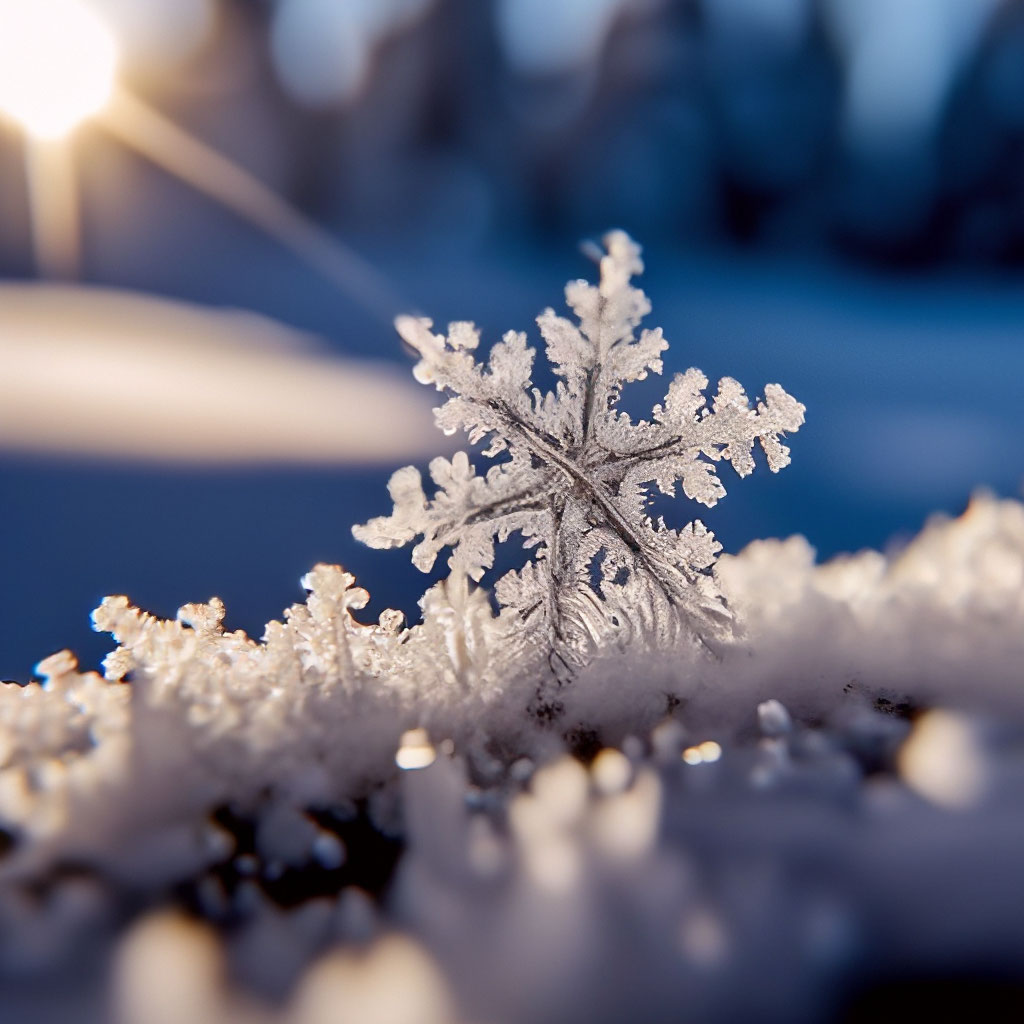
{"points": [[611, 771], [704, 753], [58, 63], [415, 750], [943, 760]]}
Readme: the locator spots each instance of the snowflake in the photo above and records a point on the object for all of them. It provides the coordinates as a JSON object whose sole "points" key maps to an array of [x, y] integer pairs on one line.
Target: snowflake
{"points": [[575, 475]]}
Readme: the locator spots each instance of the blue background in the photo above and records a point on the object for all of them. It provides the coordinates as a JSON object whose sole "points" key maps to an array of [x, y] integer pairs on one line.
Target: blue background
{"points": [[859, 243]]}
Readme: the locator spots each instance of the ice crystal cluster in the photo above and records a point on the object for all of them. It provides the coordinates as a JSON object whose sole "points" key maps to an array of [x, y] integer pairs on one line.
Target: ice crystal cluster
{"points": [[576, 473]]}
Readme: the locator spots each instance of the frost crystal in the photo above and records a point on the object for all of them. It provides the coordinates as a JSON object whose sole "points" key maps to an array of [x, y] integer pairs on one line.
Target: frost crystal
{"points": [[576, 475]]}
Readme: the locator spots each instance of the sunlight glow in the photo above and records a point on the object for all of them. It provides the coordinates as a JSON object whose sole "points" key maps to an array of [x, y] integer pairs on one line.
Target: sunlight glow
{"points": [[147, 131], [58, 63]]}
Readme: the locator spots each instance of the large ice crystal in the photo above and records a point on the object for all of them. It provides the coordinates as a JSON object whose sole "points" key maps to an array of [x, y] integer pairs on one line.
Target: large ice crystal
{"points": [[576, 474]]}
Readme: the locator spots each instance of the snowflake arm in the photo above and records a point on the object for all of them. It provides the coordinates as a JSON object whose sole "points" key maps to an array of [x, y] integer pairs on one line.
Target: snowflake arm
{"points": [[496, 400], [684, 429], [468, 513]]}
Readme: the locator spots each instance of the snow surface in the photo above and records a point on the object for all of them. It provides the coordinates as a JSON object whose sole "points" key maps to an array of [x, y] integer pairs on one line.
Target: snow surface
{"points": [[830, 801]]}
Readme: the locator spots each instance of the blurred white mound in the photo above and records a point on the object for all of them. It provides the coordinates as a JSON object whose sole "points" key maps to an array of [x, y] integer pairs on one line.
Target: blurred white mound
{"points": [[106, 373]]}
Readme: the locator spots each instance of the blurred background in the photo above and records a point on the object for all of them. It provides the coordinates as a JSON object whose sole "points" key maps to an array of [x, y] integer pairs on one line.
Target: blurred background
{"points": [[830, 194]]}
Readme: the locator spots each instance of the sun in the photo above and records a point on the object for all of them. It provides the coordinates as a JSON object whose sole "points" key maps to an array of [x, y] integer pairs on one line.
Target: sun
{"points": [[58, 65]]}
